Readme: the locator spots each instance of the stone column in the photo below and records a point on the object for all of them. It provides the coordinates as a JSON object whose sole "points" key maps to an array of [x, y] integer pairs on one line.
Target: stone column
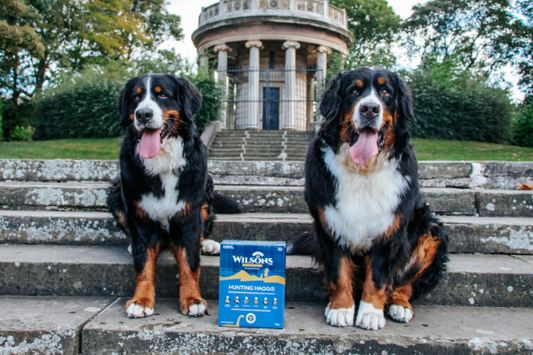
{"points": [[290, 83], [222, 50], [321, 65], [204, 63], [253, 85], [221, 8]]}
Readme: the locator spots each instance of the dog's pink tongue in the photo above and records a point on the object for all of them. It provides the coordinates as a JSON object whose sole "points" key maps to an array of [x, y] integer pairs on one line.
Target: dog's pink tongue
{"points": [[150, 144], [365, 147]]}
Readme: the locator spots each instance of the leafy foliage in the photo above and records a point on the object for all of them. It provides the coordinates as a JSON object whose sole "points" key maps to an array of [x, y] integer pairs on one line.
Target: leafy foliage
{"points": [[84, 104], [211, 100], [375, 27], [22, 133], [523, 32], [83, 107], [1, 115], [476, 33], [455, 105], [523, 126]]}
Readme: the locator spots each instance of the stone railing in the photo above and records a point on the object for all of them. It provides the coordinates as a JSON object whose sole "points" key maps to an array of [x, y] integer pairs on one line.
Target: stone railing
{"points": [[312, 9]]}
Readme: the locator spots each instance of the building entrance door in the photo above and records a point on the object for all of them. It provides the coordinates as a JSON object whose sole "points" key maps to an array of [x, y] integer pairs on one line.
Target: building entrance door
{"points": [[270, 108]]}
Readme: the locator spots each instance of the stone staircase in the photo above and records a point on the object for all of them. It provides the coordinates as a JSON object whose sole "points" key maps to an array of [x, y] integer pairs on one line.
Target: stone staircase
{"points": [[66, 273], [260, 146]]}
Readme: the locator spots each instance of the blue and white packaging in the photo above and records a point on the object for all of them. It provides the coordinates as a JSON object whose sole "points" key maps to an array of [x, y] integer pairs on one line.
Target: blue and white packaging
{"points": [[251, 284]]}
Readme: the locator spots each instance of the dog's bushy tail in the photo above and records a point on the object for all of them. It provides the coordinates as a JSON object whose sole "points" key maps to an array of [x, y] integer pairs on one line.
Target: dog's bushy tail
{"points": [[302, 243], [225, 205]]}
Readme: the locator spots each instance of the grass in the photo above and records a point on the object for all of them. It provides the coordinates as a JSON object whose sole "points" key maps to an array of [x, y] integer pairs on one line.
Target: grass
{"points": [[108, 149], [81, 148]]}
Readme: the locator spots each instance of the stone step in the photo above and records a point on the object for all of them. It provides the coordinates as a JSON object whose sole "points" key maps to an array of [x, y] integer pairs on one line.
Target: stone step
{"points": [[46, 325], [97, 325], [274, 199], [467, 234], [265, 148], [265, 133], [490, 175], [434, 330], [471, 279], [260, 159], [256, 151]]}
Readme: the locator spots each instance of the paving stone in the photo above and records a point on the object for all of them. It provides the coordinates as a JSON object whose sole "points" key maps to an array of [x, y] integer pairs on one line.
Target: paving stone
{"points": [[45, 325], [504, 203], [478, 280], [434, 330]]}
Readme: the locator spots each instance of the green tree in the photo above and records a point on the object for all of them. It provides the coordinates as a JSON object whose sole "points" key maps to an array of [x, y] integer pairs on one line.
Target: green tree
{"points": [[523, 32], [375, 27], [476, 33], [18, 43], [523, 125]]}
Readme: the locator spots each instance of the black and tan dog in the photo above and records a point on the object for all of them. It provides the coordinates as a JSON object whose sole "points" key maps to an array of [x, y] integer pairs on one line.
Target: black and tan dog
{"points": [[164, 196], [376, 240]]}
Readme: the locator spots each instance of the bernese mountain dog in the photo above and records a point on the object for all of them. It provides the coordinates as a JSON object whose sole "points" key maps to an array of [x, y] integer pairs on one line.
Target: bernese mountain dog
{"points": [[164, 196], [375, 239]]}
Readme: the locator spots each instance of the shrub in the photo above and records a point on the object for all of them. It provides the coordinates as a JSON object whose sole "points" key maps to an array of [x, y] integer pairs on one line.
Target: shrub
{"points": [[459, 106], [83, 109], [22, 115], [211, 104], [22, 134], [523, 125], [1, 112]]}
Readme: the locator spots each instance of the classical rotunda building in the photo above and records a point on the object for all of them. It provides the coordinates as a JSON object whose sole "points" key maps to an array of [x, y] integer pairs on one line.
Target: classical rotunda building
{"points": [[271, 56]]}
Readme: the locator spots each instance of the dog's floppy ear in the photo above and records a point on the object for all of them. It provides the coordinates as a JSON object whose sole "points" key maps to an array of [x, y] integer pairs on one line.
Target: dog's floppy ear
{"points": [[189, 98], [122, 108], [331, 101], [404, 100]]}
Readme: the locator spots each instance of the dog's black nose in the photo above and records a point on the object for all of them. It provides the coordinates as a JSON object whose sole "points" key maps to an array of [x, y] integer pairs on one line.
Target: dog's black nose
{"points": [[369, 110], [144, 115]]}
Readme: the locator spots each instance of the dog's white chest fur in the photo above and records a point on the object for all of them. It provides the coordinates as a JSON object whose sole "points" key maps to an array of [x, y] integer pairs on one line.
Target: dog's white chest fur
{"points": [[366, 201], [166, 164]]}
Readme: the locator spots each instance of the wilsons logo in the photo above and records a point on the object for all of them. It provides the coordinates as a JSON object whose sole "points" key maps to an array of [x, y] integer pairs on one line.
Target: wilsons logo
{"points": [[257, 258]]}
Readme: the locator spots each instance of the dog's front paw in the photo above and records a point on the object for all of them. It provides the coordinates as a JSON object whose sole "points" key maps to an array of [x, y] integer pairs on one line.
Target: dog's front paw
{"points": [[369, 318], [139, 308], [194, 307], [400, 313], [340, 317], [210, 247]]}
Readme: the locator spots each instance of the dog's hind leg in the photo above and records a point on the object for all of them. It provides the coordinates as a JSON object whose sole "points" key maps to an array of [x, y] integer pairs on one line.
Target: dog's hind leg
{"points": [[420, 266], [142, 303]]}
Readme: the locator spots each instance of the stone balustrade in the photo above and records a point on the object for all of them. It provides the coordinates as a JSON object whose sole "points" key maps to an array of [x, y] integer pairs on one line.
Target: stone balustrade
{"points": [[312, 9]]}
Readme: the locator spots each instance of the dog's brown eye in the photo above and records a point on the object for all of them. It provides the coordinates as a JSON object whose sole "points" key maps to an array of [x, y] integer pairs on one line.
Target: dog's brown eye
{"points": [[137, 98], [355, 92], [384, 92], [163, 96]]}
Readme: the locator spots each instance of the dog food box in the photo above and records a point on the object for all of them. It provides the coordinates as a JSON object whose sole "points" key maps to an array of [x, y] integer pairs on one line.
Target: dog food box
{"points": [[252, 284]]}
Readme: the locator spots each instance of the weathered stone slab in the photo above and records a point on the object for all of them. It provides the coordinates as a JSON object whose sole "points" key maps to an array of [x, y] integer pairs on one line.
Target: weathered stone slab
{"points": [[490, 235], [434, 330], [271, 199], [504, 203], [59, 170], [261, 168], [479, 280], [45, 325], [40, 227], [467, 234], [50, 195], [450, 201]]}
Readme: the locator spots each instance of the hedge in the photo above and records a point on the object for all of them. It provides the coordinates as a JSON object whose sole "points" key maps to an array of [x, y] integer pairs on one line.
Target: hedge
{"points": [[460, 109], [87, 108]]}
